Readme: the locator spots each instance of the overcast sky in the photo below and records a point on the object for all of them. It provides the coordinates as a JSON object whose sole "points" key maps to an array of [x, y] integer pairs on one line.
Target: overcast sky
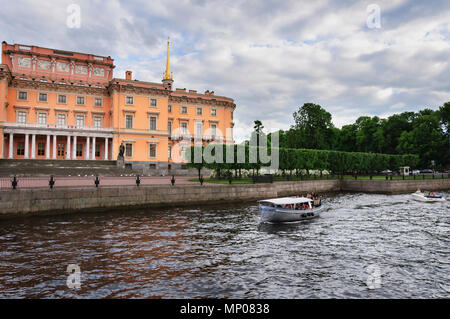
{"points": [[269, 56]]}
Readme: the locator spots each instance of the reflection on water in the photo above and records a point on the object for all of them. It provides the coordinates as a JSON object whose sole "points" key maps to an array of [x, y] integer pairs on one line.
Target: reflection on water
{"points": [[225, 252]]}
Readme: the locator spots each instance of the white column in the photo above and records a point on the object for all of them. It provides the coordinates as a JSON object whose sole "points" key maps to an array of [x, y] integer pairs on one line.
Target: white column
{"points": [[93, 149], [27, 146], [86, 153], [33, 146], [11, 145], [47, 148], [54, 146], [68, 149], [74, 152], [106, 149]]}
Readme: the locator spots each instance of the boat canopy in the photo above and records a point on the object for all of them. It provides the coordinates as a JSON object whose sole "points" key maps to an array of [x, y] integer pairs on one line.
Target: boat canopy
{"points": [[287, 200]]}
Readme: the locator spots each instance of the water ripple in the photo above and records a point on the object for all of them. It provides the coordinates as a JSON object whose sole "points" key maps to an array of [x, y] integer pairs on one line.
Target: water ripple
{"points": [[225, 252]]}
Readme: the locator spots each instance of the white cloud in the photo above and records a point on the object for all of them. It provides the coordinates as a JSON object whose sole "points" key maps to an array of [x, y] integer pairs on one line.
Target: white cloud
{"points": [[270, 56]]}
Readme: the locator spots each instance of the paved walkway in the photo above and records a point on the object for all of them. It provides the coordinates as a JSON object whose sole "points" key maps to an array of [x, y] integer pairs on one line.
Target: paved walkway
{"points": [[42, 182]]}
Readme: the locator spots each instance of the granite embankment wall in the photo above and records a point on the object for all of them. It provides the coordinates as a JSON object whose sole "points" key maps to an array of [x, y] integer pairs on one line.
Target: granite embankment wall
{"points": [[394, 187], [22, 202], [25, 202]]}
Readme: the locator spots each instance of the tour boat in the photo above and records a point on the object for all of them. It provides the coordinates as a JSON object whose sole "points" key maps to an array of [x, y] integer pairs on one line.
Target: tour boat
{"points": [[287, 209], [423, 197]]}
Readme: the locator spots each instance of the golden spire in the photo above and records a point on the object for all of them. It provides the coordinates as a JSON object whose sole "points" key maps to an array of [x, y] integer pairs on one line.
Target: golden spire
{"points": [[167, 74]]}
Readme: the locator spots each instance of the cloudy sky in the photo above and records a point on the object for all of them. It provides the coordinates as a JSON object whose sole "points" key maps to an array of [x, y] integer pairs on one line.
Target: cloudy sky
{"points": [[270, 56]]}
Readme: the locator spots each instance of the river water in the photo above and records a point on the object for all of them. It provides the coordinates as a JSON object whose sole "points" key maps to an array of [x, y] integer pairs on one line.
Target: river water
{"points": [[362, 246]]}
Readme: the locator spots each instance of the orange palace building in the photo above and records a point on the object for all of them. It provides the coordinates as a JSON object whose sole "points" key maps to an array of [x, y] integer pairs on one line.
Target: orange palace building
{"points": [[64, 105]]}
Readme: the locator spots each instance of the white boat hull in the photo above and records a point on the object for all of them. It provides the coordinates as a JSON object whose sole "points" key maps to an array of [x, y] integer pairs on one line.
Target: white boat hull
{"points": [[422, 198], [279, 215]]}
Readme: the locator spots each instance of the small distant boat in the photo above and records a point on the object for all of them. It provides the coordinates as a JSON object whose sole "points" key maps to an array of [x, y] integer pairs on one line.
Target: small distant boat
{"points": [[287, 209], [430, 197]]}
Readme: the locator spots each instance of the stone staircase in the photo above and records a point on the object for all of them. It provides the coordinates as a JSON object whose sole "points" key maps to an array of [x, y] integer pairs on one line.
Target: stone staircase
{"points": [[22, 167]]}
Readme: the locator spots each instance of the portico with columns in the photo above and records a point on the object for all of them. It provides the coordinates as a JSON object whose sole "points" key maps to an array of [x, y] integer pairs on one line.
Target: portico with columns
{"points": [[32, 143]]}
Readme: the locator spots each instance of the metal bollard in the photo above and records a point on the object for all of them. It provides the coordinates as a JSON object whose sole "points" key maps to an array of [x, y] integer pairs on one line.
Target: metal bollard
{"points": [[97, 181], [172, 180], [138, 181], [201, 180], [14, 182], [51, 182]]}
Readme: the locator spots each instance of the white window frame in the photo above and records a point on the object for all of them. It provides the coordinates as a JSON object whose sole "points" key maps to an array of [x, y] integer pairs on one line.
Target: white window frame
{"points": [[132, 121], [84, 100], [149, 150], [95, 101], [182, 110], [39, 97], [42, 115], [150, 123], [83, 120], [156, 102], [213, 112], [201, 111], [22, 115], [126, 100], [65, 97], [26, 95], [184, 130], [132, 149], [96, 118], [63, 115]]}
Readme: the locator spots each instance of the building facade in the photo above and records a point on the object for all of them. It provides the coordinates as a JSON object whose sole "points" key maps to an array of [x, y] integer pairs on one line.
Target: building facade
{"points": [[66, 105]]}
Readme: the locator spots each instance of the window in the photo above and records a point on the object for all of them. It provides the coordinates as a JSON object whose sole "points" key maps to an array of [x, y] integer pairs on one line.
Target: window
{"points": [[80, 120], [42, 97], [41, 149], [152, 123], [184, 128], [169, 108], [62, 99], [199, 111], [129, 150], [98, 122], [169, 152], [129, 100], [60, 149], [80, 100], [213, 112], [184, 109], [98, 101], [198, 129], [42, 118], [97, 150], [128, 121], [79, 150], [152, 150], [169, 128], [23, 96], [61, 120], [152, 166], [21, 117], [213, 130], [153, 102], [20, 148]]}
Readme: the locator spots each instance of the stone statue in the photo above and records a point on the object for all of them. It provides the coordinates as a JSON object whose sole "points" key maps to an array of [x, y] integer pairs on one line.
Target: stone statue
{"points": [[120, 160], [121, 151]]}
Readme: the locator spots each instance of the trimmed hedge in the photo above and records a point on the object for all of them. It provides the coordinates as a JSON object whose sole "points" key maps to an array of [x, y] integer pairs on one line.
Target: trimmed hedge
{"points": [[304, 159]]}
